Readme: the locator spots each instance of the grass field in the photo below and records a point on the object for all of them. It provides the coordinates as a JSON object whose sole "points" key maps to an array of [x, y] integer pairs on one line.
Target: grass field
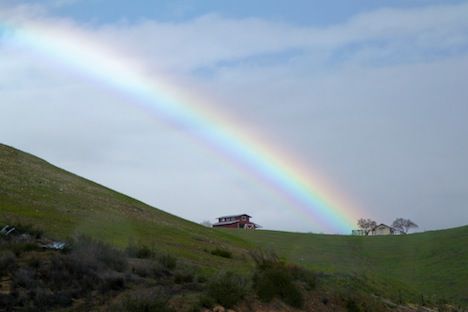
{"points": [[432, 264]]}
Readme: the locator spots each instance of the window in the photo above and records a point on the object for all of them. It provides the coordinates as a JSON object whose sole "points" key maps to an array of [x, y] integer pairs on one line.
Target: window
{"points": [[244, 218]]}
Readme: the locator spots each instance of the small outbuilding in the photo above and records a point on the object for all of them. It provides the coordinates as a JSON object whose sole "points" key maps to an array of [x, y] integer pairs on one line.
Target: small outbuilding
{"points": [[241, 221]]}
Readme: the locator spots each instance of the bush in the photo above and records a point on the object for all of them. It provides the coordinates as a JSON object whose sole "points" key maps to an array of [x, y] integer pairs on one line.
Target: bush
{"points": [[30, 229], [24, 278], [307, 277], [273, 278], [7, 262], [352, 306], [112, 281], [221, 253], [139, 251], [143, 302], [97, 253], [277, 281], [227, 289], [168, 261], [183, 277]]}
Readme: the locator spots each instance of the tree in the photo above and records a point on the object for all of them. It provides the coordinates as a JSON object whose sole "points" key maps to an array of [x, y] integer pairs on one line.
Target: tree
{"points": [[206, 223], [366, 224], [404, 224]]}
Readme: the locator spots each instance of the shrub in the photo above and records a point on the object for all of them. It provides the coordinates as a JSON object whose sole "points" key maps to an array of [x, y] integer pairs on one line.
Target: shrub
{"points": [[168, 261], [309, 278], [227, 289], [143, 302], [112, 281], [24, 278], [30, 229], [90, 251], [221, 253], [352, 306], [277, 281], [183, 277], [264, 258], [273, 278], [7, 262], [140, 251]]}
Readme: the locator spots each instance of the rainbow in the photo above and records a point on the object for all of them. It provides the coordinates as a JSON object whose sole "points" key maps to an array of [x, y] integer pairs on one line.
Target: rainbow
{"points": [[73, 48]]}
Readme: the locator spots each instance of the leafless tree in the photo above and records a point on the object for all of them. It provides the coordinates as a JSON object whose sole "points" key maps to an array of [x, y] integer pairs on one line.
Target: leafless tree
{"points": [[404, 224], [206, 223], [366, 224]]}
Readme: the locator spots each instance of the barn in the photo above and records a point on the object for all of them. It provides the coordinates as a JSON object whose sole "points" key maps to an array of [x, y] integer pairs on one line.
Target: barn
{"points": [[241, 221]]}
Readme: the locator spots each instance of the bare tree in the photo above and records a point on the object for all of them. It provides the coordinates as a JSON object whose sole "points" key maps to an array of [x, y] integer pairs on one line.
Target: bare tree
{"points": [[206, 223], [366, 224], [404, 224]]}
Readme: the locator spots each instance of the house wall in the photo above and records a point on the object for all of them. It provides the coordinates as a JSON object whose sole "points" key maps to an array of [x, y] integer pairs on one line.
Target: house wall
{"points": [[382, 231], [231, 226]]}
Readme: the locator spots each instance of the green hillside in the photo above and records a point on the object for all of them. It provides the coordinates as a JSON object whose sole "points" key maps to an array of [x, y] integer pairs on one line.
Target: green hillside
{"points": [[432, 264], [63, 205]]}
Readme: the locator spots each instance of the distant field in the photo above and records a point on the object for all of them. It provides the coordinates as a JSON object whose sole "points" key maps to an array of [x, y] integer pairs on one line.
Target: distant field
{"points": [[432, 263], [33, 191]]}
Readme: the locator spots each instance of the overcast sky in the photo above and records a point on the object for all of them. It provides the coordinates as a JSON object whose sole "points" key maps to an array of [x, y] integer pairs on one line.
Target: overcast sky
{"points": [[371, 94]]}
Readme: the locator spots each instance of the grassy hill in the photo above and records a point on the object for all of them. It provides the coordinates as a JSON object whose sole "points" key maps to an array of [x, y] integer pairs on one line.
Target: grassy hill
{"points": [[434, 264], [63, 205]]}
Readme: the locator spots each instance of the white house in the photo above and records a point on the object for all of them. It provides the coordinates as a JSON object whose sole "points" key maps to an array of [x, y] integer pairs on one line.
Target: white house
{"points": [[383, 229]]}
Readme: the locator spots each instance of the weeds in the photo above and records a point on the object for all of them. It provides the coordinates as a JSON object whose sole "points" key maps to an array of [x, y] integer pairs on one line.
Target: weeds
{"points": [[227, 289], [221, 253]]}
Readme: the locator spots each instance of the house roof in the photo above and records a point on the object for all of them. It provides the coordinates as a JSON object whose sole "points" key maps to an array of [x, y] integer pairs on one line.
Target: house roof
{"points": [[233, 216], [384, 225]]}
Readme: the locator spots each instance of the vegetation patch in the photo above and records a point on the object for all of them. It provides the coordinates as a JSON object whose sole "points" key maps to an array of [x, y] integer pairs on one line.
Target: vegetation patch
{"points": [[221, 253], [274, 279], [227, 289]]}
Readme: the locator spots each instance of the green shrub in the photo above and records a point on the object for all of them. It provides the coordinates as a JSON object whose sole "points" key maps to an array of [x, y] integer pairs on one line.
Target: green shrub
{"points": [[227, 289], [97, 253], [308, 278], [143, 302], [274, 279], [168, 261], [183, 277], [352, 306], [139, 251], [221, 253], [277, 281]]}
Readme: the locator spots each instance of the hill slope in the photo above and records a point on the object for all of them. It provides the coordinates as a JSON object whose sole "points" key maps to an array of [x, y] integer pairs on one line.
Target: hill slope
{"points": [[63, 204], [432, 263]]}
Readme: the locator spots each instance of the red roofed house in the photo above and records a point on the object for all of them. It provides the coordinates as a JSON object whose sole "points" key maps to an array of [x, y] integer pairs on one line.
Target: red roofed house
{"points": [[236, 222]]}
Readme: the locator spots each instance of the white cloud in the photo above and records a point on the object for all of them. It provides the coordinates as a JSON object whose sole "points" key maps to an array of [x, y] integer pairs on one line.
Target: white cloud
{"points": [[382, 133]]}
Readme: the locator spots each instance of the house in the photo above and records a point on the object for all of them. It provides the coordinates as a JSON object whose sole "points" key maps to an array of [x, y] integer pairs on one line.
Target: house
{"points": [[241, 221], [383, 229]]}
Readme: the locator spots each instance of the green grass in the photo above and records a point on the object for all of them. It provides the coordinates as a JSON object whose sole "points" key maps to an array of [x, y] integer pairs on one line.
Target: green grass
{"points": [[434, 263], [63, 205]]}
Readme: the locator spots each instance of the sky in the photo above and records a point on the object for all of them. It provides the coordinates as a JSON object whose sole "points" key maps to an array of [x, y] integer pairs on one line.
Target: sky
{"points": [[367, 99]]}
